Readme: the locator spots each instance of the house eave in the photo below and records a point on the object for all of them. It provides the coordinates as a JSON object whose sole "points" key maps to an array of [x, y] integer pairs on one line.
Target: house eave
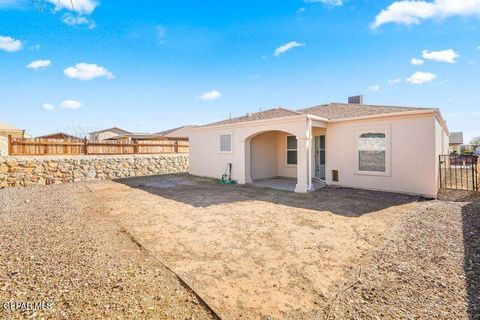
{"points": [[293, 118], [243, 124]]}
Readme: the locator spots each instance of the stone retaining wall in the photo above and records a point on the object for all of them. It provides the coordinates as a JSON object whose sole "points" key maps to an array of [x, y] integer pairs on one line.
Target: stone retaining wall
{"points": [[3, 146], [26, 171]]}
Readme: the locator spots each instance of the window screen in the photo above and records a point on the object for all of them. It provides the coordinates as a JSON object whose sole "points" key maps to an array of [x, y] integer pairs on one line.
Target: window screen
{"points": [[372, 152], [225, 143], [291, 150]]}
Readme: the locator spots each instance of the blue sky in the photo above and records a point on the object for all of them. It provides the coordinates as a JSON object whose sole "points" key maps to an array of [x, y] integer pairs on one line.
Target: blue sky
{"points": [[147, 66]]}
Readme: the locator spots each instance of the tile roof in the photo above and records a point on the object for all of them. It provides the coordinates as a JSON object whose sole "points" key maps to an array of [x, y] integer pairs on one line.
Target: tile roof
{"points": [[262, 115], [328, 111], [456, 138], [348, 110]]}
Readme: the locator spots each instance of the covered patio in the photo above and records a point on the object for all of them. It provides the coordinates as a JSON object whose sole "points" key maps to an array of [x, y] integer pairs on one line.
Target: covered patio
{"points": [[290, 156]]}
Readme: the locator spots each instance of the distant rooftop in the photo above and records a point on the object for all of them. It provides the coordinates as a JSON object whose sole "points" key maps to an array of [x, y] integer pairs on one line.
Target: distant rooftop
{"points": [[4, 126], [165, 132], [456, 138]]}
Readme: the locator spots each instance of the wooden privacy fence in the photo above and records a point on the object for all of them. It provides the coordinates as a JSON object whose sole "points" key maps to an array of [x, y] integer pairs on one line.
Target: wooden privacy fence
{"points": [[39, 147]]}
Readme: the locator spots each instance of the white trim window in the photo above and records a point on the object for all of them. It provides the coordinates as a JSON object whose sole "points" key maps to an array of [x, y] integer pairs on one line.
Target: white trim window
{"points": [[373, 156], [226, 143], [291, 150]]}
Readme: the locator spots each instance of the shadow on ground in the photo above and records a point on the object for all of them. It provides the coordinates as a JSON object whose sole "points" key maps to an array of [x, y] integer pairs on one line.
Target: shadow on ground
{"points": [[471, 240], [204, 192]]}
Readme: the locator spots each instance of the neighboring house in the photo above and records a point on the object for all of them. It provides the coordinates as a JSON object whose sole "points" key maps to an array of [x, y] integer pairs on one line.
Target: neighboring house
{"points": [[384, 148], [59, 136], [106, 134], [177, 133], [135, 136], [456, 142], [8, 130]]}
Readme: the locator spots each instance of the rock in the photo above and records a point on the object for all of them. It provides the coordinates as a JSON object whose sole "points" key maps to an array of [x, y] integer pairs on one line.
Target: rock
{"points": [[39, 170]]}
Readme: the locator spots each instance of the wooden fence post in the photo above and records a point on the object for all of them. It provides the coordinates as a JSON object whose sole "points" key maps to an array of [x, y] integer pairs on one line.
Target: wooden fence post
{"points": [[176, 146], [10, 146], [85, 146], [135, 146]]}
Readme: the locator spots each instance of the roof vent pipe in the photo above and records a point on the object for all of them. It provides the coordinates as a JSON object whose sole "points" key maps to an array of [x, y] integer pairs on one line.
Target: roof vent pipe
{"points": [[356, 99]]}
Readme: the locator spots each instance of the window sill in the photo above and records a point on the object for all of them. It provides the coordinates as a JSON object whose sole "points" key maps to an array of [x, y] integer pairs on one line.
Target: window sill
{"points": [[373, 173]]}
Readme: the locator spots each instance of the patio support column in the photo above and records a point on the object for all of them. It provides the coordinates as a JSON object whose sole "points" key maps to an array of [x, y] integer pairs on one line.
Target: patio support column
{"points": [[303, 144], [244, 170]]}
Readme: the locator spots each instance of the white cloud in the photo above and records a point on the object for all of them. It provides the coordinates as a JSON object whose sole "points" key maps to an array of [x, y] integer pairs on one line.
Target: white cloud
{"points": [[80, 6], [86, 71], [70, 104], [416, 62], [478, 48], [210, 95], [448, 55], [35, 47], [374, 88], [421, 77], [10, 44], [72, 20], [286, 47], [409, 12], [334, 3], [39, 64], [394, 81], [47, 106]]}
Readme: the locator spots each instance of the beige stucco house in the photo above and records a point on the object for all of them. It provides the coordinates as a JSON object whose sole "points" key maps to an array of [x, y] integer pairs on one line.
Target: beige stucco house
{"points": [[176, 133], [9, 130], [456, 142], [106, 134], [384, 148]]}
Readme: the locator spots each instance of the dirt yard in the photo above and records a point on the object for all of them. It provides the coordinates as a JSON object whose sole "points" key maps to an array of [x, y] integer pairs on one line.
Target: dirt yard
{"points": [[100, 249], [252, 252]]}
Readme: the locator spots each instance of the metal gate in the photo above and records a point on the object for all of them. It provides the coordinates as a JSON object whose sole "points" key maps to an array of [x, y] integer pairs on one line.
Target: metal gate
{"points": [[459, 172]]}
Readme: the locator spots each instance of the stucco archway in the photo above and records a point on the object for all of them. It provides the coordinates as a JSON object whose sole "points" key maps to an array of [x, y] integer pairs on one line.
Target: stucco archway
{"points": [[269, 155]]}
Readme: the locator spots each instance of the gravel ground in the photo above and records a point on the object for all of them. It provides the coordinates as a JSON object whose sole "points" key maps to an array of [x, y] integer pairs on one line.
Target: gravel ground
{"points": [[57, 247], [429, 268]]}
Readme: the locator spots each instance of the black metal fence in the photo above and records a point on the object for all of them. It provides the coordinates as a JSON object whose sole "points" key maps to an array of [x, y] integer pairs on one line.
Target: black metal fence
{"points": [[459, 172]]}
